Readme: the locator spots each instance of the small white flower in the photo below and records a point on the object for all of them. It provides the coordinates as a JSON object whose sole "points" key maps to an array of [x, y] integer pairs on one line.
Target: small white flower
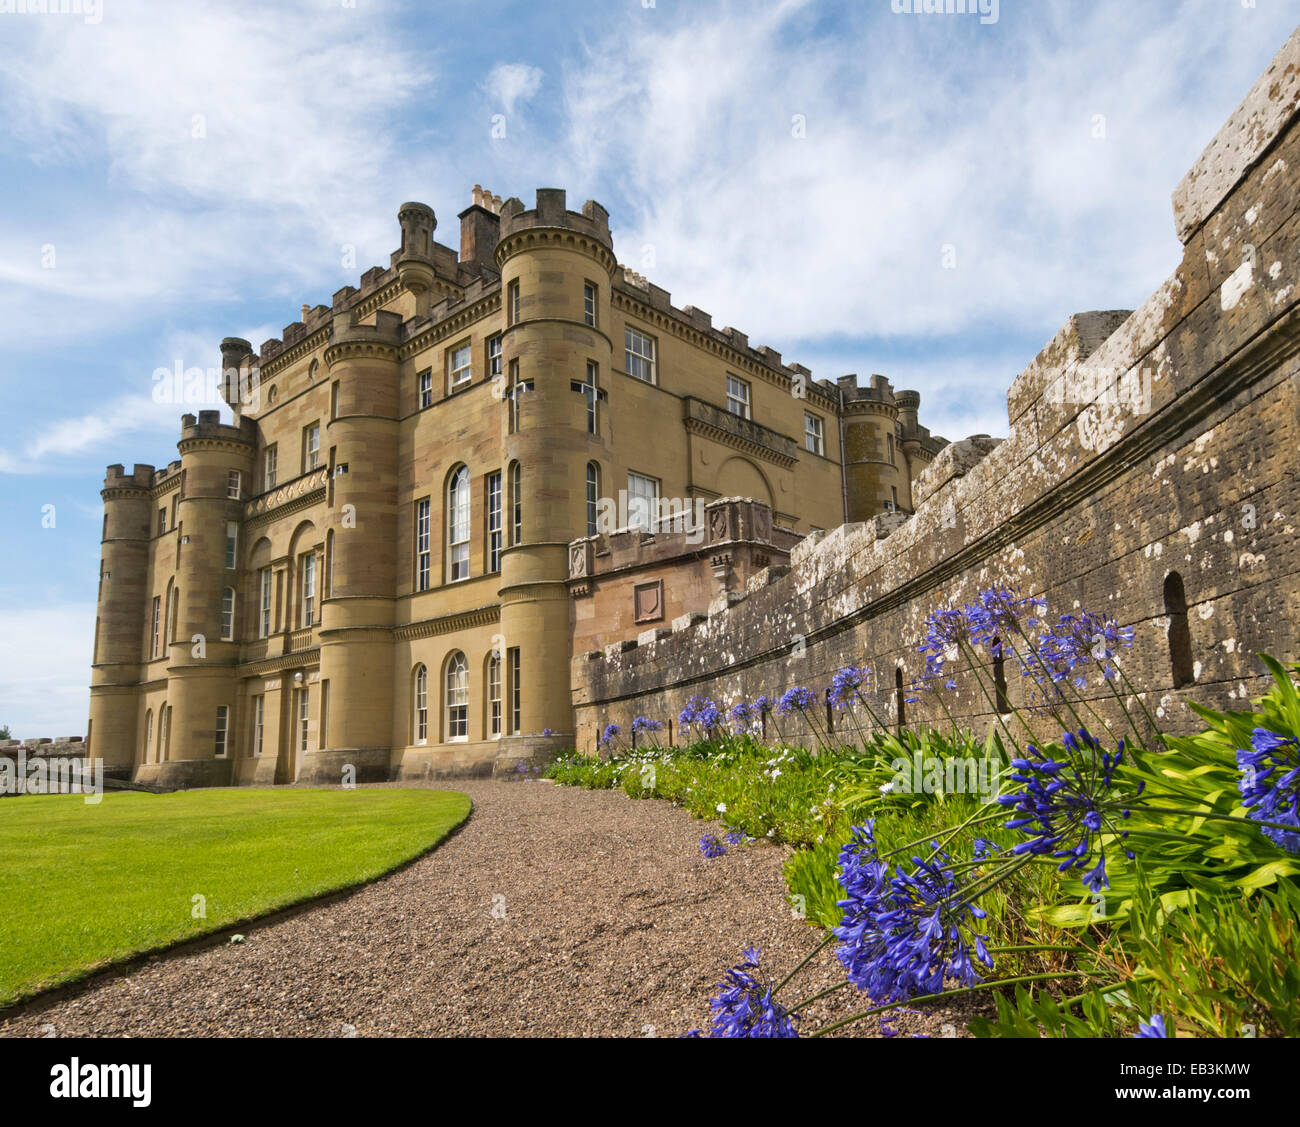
{"points": [[721, 808]]}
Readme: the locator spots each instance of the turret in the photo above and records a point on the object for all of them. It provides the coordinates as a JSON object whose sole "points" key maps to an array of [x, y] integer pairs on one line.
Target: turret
{"points": [[120, 626], [415, 259], [556, 270]]}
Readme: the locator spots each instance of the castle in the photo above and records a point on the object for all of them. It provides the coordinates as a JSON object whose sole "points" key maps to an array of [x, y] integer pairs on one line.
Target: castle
{"points": [[632, 507], [589, 462]]}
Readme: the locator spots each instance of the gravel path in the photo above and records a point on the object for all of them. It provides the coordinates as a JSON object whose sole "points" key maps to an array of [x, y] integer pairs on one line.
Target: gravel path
{"points": [[552, 912]]}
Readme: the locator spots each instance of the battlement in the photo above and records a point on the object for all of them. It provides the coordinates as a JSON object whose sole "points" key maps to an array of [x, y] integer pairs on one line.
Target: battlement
{"points": [[551, 211], [141, 477]]}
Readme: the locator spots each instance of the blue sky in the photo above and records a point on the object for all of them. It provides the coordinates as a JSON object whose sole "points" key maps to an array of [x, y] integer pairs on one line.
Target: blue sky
{"points": [[176, 173]]}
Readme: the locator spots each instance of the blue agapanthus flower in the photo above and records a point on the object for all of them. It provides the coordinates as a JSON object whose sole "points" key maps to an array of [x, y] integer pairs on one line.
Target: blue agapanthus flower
{"points": [[742, 713], [983, 849], [1002, 613], [1076, 642], [1153, 1028], [1270, 785], [1067, 803], [848, 683], [702, 713], [762, 704], [711, 847], [643, 724], [905, 934], [944, 629], [796, 700], [744, 1005], [610, 736]]}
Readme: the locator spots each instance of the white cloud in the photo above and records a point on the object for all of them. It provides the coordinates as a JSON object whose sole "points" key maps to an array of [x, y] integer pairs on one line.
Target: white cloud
{"points": [[917, 134], [511, 83], [38, 648]]}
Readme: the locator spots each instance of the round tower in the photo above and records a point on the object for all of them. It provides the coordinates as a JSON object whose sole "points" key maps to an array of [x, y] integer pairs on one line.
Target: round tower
{"points": [[556, 270], [201, 661], [360, 579], [120, 626], [874, 465], [415, 258]]}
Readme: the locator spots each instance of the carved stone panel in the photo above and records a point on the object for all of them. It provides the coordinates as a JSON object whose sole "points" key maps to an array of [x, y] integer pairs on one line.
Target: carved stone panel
{"points": [[648, 601]]}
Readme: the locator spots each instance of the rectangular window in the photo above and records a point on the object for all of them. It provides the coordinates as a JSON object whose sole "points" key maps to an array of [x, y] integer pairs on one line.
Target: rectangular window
{"points": [[264, 616], [642, 502], [223, 724], [232, 485], [738, 397], [893, 491], [422, 545], [814, 434], [232, 542], [157, 621], [162, 520], [494, 695], [512, 656], [494, 357], [512, 304], [426, 388], [269, 460], [176, 501], [494, 521], [304, 711], [259, 723], [589, 297], [516, 505], [308, 588], [890, 439], [228, 615], [459, 367], [311, 447], [640, 355], [323, 742]]}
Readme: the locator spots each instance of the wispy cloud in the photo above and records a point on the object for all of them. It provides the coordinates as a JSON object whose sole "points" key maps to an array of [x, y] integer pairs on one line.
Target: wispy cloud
{"points": [[511, 83], [39, 647]]}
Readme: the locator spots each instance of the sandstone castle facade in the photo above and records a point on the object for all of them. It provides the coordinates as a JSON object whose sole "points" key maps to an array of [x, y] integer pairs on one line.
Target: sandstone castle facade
{"points": [[406, 557], [439, 489]]}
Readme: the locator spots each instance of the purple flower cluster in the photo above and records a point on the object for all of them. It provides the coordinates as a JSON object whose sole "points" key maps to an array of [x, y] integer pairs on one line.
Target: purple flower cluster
{"points": [[702, 713], [610, 737], [1154, 1028], [642, 724], [744, 1006], [904, 934], [1076, 641], [1270, 785], [796, 700], [711, 847], [848, 683], [996, 615], [1064, 803]]}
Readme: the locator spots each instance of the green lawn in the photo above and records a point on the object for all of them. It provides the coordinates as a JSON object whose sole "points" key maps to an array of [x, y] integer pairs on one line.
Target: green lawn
{"points": [[85, 885]]}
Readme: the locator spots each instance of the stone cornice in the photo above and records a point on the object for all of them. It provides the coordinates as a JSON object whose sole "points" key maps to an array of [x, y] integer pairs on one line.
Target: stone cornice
{"points": [[360, 347], [448, 623], [290, 356], [204, 442], [272, 665], [697, 422], [292, 496], [564, 237], [451, 326]]}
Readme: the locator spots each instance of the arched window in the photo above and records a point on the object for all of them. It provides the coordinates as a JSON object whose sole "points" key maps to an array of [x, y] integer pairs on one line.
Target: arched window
{"points": [[899, 700], [1180, 634], [593, 498], [228, 615], [420, 725], [458, 525], [164, 726], [148, 734], [457, 697], [516, 502], [494, 694]]}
